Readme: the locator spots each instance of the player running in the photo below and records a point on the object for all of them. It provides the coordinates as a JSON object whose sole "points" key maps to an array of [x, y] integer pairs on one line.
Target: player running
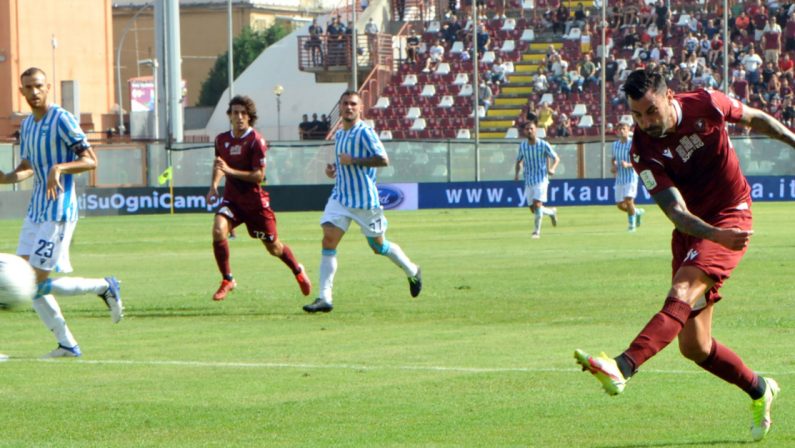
{"points": [[240, 157], [626, 187], [535, 154], [682, 152], [355, 198], [53, 150]]}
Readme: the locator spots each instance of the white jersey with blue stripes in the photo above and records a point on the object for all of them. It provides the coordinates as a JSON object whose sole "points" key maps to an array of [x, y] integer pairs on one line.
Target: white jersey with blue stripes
{"points": [[355, 185], [534, 158], [624, 176], [55, 138]]}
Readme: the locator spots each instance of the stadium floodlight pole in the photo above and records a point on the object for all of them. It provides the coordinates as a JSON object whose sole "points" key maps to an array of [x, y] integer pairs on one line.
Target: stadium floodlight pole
{"points": [[603, 92], [354, 50], [476, 88], [278, 90], [726, 42], [155, 95], [54, 43], [231, 59], [118, 65]]}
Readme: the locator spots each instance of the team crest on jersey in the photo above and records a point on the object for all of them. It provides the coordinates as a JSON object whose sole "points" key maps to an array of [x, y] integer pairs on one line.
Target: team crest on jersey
{"points": [[700, 125], [235, 150], [226, 144], [688, 145], [667, 153], [636, 158]]}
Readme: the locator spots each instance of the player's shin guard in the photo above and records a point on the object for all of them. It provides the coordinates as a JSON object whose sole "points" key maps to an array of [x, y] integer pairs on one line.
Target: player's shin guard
{"points": [[221, 252], [289, 259], [328, 267], [726, 365], [75, 286], [50, 314], [659, 332]]}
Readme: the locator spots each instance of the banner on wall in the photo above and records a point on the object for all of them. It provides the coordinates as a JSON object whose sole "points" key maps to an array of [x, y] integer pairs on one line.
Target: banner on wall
{"points": [[398, 196], [569, 192]]}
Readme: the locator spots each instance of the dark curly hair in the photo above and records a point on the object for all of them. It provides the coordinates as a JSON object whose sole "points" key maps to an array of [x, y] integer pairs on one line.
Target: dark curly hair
{"points": [[248, 103], [641, 81]]}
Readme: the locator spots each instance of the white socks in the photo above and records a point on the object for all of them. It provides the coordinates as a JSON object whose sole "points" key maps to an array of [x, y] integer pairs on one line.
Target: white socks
{"points": [[50, 313], [396, 254], [75, 286], [328, 267], [539, 213]]}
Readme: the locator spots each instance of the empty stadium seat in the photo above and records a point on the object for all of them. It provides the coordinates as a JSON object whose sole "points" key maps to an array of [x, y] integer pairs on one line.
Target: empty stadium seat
{"points": [[466, 90], [626, 119], [413, 113], [428, 90], [508, 46], [574, 34], [528, 35], [434, 27], [442, 69], [446, 101], [383, 103], [457, 47], [512, 133], [419, 124], [509, 24], [546, 98], [370, 123], [463, 133], [481, 112], [585, 122], [385, 135], [461, 79], [579, 110], [409, 80], [488, 57], [541, 133]]}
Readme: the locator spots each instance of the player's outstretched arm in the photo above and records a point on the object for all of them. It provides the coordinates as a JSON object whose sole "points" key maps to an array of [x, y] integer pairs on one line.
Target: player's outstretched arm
{"points": [[765, 124], [674, 207], [21, 172]]}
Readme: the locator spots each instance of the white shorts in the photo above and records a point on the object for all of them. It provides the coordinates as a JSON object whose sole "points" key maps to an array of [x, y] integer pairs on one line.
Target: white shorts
{"points": [[46, 244], [537, 192], [623, 191], [372, 222]]}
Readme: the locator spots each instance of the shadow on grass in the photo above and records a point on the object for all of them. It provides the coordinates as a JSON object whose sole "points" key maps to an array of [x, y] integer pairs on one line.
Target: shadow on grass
{"points": [[720, 443]]}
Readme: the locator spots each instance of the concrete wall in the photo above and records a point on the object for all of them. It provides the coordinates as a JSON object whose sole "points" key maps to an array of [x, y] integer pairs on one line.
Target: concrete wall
{"points": [[84, 53]]}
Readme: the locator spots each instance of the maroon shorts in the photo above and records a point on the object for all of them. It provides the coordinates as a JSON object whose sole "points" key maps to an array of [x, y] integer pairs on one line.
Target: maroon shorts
{"points": [[711, 258], [260, 221]]}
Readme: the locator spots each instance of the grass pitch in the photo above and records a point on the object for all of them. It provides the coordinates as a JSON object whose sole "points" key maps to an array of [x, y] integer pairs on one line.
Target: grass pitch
{"points": [[482, 358]]}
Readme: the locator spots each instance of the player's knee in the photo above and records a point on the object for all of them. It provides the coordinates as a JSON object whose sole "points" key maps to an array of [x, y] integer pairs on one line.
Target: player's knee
{"points": [[378, 248], [274, 248], [218, 234], [694, 351]]}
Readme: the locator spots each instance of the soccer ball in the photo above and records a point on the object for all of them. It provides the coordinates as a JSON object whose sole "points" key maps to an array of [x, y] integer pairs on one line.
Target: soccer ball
{"points": [[17, 282]]}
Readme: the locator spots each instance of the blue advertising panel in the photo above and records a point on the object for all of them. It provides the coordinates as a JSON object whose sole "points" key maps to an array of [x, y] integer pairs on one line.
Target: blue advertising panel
{"points": [[569, 192]]}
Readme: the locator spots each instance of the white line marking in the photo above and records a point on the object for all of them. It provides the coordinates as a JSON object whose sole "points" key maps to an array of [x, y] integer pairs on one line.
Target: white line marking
{"points": [[277, 365]]}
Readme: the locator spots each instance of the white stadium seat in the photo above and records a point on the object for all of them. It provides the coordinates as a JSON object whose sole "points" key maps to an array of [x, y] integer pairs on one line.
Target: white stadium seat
{"points": [[413, 112]]}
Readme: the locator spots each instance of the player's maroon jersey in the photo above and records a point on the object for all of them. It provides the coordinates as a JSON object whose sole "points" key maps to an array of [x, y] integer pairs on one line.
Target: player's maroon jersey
{"points": [[246, 153], [698, 158]]}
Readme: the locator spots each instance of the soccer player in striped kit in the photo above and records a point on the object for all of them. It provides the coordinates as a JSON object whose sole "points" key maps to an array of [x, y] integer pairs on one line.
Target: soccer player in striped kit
{"points": [[54, 149], [355, 198], [540, 162], [626, 187]]}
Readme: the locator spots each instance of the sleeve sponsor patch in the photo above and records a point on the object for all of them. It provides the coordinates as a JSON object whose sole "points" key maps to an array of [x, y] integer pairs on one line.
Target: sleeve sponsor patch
{"points": [[648, 179]]}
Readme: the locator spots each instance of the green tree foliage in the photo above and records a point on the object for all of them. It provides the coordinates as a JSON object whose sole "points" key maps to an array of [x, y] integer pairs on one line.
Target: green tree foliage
{"points": [[247, 46]]}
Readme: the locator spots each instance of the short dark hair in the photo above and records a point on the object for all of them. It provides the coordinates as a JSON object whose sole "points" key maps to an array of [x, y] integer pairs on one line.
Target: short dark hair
{"points": [[532, 118], [349, 93], [641, 81], [248, 103], [32, 71]]}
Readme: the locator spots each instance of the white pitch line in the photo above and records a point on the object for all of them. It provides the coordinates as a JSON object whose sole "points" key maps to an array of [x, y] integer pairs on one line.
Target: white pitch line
{"points": [[276, 365]]}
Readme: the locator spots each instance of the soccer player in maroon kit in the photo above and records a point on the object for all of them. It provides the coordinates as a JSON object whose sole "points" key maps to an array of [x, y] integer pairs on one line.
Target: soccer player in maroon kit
{"points": [[682, 153], [240, 157]]}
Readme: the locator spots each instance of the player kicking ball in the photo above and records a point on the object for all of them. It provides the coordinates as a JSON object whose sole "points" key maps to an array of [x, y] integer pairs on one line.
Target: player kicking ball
{"points": [[240, 157], [682, 153]]}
